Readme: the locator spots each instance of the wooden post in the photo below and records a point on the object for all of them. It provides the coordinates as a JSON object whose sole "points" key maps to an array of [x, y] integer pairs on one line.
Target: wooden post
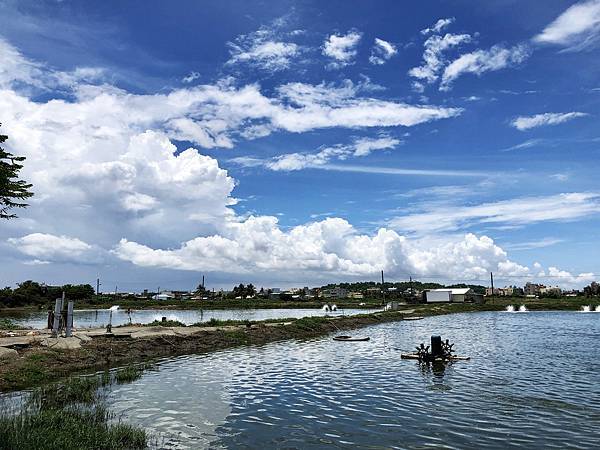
{"points": [[56, 323], [69, 319]]}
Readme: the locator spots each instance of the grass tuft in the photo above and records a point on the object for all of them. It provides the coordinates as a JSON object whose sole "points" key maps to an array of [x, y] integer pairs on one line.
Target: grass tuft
{"points": [[70, 415], [167, 323], [7, 324]]}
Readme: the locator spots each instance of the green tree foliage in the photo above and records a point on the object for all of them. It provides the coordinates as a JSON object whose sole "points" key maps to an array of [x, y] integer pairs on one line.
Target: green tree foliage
{"points": [[243, 291], [13, 191], [33, 293]]}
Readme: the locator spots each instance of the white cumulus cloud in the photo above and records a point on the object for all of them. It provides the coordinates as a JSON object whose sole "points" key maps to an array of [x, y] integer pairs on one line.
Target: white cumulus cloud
{"points": [[47, 248], [330, 246], [341, 48], [382, 51]]}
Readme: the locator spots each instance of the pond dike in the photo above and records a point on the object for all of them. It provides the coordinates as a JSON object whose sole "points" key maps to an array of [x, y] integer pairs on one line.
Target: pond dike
{"points": [[31, 358]]}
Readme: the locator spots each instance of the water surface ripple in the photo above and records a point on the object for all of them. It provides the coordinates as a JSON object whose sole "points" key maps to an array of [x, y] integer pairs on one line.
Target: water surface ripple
{"points": [[533, 382]]}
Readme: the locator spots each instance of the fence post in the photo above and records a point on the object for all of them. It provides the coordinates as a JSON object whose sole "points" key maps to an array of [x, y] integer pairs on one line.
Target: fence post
{"points": [[69, 318], [57, 308]]}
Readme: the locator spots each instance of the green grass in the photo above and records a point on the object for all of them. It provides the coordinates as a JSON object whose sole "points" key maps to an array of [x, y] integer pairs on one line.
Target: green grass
{"points": [[7, 324], [309, 323], [237, 337], [68, 428], [31, 373], [130, 373], [166, 323], [68, 415]]}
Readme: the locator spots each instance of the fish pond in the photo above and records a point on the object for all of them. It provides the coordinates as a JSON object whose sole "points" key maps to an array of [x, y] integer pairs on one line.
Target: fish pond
{"points": [[97, 318], [533, 381]]}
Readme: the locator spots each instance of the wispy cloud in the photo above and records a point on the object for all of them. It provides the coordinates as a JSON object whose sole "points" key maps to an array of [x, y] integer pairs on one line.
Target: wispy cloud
{"points": [[433, 58], [523, 123], [341, 48], [438, 26], [401, 171], [264, 49], [531, 245], [190, 77], [514, 212], [481, 61], [577, 28], [298, 161]]}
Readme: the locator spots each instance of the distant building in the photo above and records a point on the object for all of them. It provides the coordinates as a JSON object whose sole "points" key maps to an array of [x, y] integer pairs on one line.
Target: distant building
{"points": [[336, 292], [163, 296], [373, 292], [550, 290], [507, 291], [532, 289], [356, 295], [452, 295]]}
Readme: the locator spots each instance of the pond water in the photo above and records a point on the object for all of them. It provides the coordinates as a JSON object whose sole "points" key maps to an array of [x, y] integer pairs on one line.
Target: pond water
{"points": [[91, 318], [533, 382]]}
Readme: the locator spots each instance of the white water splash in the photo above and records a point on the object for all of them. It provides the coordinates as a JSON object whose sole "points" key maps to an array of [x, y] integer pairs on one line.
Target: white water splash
{"points": [[586, 308], [510, 308], [523, 308]]}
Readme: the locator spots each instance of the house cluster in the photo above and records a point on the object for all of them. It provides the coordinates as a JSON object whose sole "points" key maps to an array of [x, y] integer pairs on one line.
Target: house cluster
{"points": [[531, 290], [390, 294]]}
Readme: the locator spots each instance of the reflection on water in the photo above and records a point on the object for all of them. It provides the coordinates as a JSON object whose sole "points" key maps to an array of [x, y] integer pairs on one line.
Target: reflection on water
{"points": [[524, 387], [91, 318]]}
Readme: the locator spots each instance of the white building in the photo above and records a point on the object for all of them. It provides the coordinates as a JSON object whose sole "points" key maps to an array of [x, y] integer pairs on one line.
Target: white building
{"points": [[454, 295], [163, 297]]}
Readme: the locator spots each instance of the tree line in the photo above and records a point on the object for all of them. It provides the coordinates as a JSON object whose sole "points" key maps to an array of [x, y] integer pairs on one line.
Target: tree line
{"points": [[33, 293]]}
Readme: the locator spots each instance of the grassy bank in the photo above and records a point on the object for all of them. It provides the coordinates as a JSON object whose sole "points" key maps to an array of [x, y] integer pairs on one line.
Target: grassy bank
{"points": [[37, 365], [70, 415]]}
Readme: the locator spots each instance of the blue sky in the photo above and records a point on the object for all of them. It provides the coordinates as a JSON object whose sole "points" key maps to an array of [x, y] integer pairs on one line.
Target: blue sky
{"points": [[291, 142]]}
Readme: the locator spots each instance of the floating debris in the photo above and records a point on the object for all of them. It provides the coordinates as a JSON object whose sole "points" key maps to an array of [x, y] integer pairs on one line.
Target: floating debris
{"points": [[351, 339]]}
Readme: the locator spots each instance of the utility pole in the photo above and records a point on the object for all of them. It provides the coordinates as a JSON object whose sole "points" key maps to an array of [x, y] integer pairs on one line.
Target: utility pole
{"points": [[411, 287], [382, 289], [97, 286], [492, 282], [202, 280]]}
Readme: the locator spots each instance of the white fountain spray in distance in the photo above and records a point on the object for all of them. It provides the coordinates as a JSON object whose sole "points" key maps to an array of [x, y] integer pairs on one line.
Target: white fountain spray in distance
{"points": [[510, 308], [113, 308], [586, 308], [326, 308], [334, 307], [523, 308], [597, 308]]}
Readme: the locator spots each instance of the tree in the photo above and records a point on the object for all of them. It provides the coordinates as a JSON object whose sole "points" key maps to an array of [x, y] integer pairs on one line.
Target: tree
{"points": [[13, 191], [200, 290]]}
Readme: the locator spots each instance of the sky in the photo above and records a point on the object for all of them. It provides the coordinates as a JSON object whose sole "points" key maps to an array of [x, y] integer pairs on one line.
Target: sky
{"points": [[296, 143]]}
